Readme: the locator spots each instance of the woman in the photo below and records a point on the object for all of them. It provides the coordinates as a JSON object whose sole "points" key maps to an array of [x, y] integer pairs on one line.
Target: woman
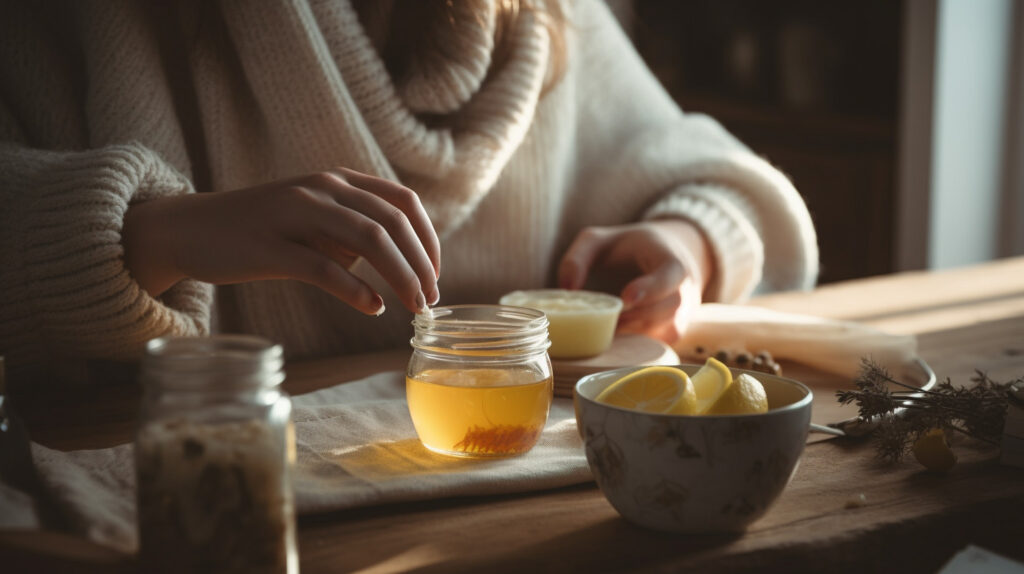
{"points": [[531, 144]]}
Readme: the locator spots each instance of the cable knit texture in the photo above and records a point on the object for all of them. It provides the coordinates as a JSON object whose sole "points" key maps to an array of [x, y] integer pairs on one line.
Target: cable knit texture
{"points": [[508, 172], [66, 290]]}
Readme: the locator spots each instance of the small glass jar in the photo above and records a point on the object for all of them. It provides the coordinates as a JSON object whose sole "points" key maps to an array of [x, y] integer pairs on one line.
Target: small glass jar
{"points": [[213, 457], [479, 381]]}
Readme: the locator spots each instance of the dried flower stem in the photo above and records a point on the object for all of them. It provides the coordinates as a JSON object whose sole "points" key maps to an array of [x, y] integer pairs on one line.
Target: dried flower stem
{"points": [[500, 439], [978, 411]]}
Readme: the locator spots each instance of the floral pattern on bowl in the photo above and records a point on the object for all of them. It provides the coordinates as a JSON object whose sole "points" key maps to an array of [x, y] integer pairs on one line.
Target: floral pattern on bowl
{"points": [[693, 473]]}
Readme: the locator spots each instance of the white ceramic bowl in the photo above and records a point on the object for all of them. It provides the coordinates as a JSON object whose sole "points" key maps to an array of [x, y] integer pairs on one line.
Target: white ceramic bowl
{"points": [[580, 323], [696, 474]]}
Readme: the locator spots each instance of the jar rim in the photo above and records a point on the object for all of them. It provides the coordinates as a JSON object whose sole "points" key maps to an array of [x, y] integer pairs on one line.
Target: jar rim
{"points": [[474, 329], [190, 363], [498, 316]]}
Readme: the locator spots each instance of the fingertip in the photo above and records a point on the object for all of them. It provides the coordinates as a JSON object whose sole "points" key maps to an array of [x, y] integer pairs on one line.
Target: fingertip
{"points": [[580, 256], [568, 275], [377, 309], [633, 294]]}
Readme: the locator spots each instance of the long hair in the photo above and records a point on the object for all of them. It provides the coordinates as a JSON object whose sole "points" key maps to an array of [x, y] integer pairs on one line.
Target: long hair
{"points": [[552, 16]]}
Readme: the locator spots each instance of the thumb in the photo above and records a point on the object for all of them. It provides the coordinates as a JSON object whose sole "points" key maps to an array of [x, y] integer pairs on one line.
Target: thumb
{"points": [[580, 257]]}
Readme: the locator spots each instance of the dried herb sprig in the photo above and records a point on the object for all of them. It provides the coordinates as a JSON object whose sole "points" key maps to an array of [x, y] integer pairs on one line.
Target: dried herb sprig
{"points": [[978, 411]]}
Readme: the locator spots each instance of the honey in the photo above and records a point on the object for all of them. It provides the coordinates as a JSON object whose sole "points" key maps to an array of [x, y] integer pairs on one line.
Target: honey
{"points": [[479, 412], [479, 381]]}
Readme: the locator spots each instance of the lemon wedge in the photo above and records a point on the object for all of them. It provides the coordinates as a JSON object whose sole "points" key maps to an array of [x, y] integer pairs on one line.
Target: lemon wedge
{"points": [[658, 389], [933, 452], [687, 403], [710, 382], [744, 396]]}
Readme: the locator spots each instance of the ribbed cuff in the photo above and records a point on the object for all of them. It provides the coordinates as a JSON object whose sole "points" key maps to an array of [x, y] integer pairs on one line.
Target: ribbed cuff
{"points": [[735, 243], [78, 294]]}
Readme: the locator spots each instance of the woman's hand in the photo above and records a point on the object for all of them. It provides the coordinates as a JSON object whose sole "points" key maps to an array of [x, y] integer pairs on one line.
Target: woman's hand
{"points": [[667, 261], [311, 228]]}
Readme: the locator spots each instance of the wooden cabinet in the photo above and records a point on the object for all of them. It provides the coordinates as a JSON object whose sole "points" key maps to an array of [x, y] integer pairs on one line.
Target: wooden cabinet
{"points": [[811, 86]]}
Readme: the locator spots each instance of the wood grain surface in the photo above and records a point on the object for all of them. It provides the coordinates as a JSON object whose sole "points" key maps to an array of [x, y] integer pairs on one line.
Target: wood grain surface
{"points": [[911, 520]]}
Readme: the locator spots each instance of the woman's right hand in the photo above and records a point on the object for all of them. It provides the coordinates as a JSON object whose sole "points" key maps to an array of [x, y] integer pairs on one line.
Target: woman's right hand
{"points": [[311, 228]]}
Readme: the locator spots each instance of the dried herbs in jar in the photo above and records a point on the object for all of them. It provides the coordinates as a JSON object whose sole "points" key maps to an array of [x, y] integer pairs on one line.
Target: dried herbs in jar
{"points": [[213, 456]]}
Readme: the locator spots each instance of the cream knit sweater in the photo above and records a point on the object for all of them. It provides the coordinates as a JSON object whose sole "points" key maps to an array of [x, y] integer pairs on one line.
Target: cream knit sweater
{"points": [[100, 109]]}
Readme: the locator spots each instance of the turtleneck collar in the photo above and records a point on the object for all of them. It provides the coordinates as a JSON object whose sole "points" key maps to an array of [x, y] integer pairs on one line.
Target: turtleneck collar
{"points": [[453, 163]]}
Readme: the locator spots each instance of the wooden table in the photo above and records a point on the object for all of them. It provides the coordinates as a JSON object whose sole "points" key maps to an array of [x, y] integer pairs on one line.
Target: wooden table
{"points": [[966, 319]]}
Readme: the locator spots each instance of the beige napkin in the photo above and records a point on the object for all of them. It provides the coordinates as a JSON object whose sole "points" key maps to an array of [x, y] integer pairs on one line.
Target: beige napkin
{"points": [[356, 446], [830, 345]]}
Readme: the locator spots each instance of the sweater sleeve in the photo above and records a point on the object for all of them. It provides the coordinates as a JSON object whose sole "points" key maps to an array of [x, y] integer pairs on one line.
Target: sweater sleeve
{"points": [[732, 234], [641, 156], [66, 291]]}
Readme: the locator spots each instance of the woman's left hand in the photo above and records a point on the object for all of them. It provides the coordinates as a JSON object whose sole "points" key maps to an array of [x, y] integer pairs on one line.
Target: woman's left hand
{"points": [[668, 262]]}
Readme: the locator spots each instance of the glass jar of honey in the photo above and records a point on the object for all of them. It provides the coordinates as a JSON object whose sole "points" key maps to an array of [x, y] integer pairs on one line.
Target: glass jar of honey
{"points": [[213, 457], [479, 381]]}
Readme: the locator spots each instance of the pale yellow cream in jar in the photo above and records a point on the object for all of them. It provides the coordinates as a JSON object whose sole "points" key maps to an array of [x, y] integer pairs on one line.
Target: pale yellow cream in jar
{"points": [[581, 323]]}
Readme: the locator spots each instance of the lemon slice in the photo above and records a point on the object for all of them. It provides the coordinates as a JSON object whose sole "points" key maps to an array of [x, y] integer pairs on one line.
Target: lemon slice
{"points": [[687, 403], [744, 396], [710, 382], [653, 390]]}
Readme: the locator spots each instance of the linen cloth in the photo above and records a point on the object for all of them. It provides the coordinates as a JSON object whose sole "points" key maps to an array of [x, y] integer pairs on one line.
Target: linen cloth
{"points": [[356, 446]]}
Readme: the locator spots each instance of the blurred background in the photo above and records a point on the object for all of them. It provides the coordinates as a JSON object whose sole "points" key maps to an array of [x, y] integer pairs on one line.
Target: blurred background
{"points": [[900, 122]]}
